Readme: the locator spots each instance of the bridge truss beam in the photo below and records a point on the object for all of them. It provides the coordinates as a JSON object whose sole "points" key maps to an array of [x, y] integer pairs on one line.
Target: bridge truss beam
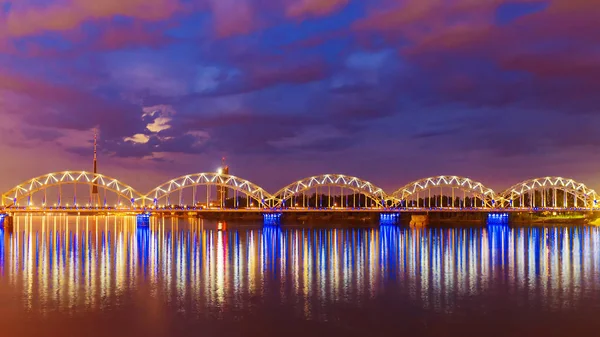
{"points": [[285, 196], [549, 192], [207, 179], [59, 179], [422, 188], [545, 192]]}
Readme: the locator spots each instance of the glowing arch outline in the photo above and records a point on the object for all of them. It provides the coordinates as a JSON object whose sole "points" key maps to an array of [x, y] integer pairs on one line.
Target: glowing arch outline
{"points": [[579, 190], [212, 179], [37, 184], [339, 180], [463, 183]]}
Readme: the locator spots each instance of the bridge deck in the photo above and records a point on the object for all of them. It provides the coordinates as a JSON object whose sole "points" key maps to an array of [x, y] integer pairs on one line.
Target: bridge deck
{"points": [[294, 210]]}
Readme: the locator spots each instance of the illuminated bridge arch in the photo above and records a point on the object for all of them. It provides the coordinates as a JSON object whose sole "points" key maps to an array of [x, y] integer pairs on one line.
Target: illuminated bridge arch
{"points": [[363, 193], [549, 192], [51, 190], [219, 190], [444, 189]]}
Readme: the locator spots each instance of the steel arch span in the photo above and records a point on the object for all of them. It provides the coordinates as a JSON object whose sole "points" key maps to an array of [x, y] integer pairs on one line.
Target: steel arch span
{"points": [[58, 179], [331, 180], [467, 185], [563, 193], [208, 179]]}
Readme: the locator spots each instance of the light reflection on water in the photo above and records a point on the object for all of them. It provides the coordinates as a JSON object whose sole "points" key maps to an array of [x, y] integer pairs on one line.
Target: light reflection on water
{"points": [[76, 264]]}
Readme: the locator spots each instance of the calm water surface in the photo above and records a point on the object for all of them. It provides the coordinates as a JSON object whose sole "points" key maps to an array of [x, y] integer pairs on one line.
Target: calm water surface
{"points": [[103, 276]]}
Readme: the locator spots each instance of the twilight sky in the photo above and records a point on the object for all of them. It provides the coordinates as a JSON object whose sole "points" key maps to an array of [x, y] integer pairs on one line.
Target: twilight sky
{"points": [[386, 90]]}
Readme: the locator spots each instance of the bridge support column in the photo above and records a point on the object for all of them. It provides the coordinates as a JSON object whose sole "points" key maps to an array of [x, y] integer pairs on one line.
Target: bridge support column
{"points": [[272, 219], [497, 219], [389, 218], [419, 220]]}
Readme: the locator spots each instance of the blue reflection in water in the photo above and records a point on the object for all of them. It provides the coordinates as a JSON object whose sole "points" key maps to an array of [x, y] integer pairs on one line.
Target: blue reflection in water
{"points": [[79, 263], [143, 220], [143, 247], [1, 248], [270, 248]]}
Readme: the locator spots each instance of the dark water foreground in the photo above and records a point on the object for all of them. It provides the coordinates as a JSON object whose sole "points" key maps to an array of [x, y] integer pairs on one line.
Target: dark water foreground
{"points": [[102, 276]]}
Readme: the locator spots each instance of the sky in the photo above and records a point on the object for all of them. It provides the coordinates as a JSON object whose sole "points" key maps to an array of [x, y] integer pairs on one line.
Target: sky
{"points": [[386, 90]]}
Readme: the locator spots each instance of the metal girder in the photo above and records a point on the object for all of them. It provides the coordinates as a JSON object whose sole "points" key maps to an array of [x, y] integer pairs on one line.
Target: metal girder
{"points": [[577, 189], [466, 184], [40, 183], [338, 180], [209, 179]]}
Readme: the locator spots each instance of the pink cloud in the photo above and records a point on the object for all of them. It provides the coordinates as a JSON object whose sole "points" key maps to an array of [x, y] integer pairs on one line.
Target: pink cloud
{"points": [[467, 57], [116, 37], [37, 89], [449, 22], [468, 28], [421, 19], [233, 17], [6, 47], [27, 20], [300, 8], [568, 64]]}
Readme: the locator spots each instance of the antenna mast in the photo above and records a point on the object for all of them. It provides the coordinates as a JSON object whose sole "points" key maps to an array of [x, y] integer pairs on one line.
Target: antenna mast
{"points": [[95, 152], [95, 196]]}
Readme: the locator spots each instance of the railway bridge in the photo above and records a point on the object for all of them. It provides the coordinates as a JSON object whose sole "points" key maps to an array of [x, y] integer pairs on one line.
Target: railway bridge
{"points": [[85, 192]]}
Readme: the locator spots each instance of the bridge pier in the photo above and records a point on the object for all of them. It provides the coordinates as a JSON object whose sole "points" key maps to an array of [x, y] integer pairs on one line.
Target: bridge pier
{"points": [[271, 219], [389, 218], [497, 219]]}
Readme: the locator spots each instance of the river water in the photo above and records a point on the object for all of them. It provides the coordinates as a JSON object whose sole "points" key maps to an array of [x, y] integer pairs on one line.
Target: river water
{"points": [[104, 276]]}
